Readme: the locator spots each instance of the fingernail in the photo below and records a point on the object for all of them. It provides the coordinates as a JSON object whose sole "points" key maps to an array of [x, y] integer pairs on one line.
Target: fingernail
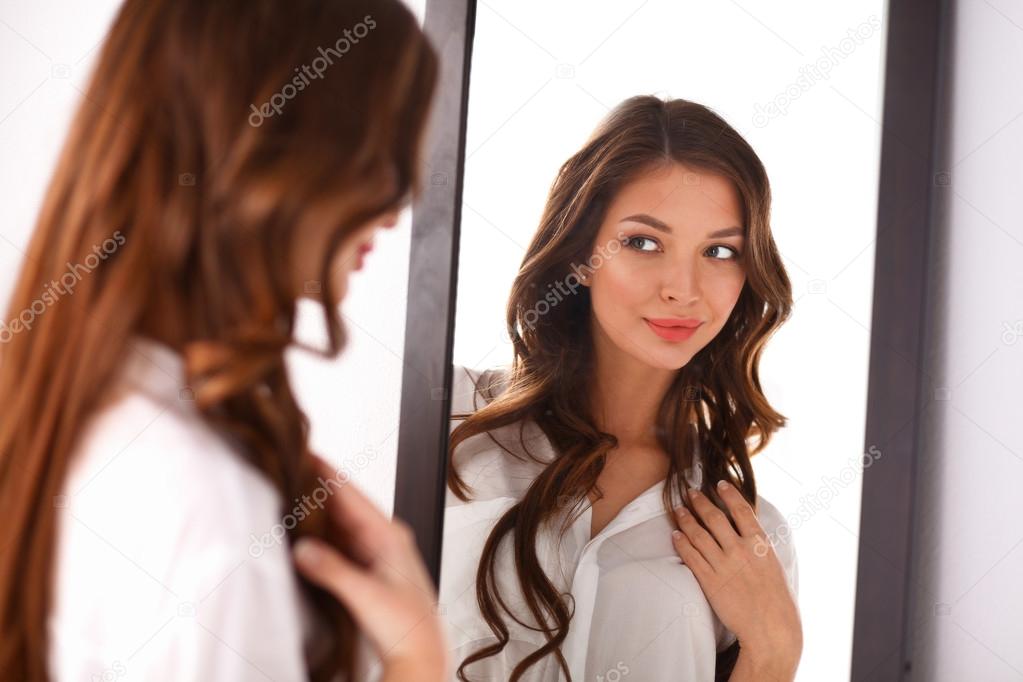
{"points": [[722, 484], [694, 491], [306, 552], [681, 510], [676, 534]]}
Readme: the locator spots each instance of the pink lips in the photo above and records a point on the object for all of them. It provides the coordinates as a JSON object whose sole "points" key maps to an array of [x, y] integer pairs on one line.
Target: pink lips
{"points": [[673, 329], [361, 254]]}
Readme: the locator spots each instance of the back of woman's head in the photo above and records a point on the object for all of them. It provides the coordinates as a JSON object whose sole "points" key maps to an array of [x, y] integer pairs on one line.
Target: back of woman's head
{"points": [[223, 154]]}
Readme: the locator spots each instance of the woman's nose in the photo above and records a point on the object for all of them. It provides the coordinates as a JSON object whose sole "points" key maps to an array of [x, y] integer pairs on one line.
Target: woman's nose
{"points": [[683, 285]]}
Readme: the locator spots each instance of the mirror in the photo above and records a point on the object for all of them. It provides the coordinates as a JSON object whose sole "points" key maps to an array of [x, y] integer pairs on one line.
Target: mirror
{"points": [[799, 93]]}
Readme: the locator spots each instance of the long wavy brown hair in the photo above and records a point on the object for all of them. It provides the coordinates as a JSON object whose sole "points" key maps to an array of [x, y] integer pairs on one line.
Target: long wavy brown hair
{"points": [[212, 138], [552, 368]]}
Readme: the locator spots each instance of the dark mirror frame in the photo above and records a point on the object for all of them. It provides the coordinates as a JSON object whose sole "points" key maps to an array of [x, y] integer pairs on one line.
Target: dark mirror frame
{"points": [[914, 73], [432, 287]]}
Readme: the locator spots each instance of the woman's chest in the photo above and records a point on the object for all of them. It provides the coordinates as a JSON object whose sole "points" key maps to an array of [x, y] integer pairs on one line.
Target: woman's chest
{"points": [[621, 483]]}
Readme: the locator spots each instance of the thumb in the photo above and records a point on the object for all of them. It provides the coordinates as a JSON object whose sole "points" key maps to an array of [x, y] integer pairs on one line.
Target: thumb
{"points": [[331, 570]]}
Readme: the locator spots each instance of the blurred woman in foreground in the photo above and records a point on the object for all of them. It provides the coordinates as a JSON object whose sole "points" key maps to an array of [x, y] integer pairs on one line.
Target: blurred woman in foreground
{"points": [[228, 158]]}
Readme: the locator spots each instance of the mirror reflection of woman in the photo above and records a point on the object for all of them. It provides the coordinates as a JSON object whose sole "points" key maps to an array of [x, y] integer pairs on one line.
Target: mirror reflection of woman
{"points": [[228, 159], [631, 410]]}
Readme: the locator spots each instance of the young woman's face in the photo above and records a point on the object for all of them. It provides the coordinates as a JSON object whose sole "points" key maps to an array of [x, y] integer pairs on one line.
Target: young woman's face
{"points": [[349, 258], [676, 260], [352, 255]]}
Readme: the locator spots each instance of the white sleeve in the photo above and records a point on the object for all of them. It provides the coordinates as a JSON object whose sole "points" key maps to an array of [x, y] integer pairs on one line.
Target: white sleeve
{"points": [[165, 566], [464, 400], [241, 624], [780, 534], [464, 393], [214, 616]]}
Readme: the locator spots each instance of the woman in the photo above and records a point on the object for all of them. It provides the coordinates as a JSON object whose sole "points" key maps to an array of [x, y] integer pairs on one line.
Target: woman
{"points": [[227, 159], [637, 318]]}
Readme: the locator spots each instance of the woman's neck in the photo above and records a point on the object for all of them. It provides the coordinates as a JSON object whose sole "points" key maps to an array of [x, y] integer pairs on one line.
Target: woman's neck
{"points": [[626, 396]]}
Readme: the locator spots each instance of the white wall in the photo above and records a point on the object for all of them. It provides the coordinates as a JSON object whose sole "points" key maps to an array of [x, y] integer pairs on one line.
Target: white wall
{"points": [[969, 553], [544, 73]]}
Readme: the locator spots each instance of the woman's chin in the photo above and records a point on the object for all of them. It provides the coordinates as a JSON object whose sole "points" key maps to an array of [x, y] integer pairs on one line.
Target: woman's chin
{"points": [[658, 358]]}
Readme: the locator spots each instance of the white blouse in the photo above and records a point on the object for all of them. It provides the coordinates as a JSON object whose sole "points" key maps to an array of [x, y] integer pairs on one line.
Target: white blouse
{"points": [[168, 564], [639, 612]]}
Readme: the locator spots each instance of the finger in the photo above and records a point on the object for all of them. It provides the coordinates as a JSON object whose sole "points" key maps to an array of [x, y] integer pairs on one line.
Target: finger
{"points": [[689, 554], [353, 586], [403, 559], [698, 536], [348, 506], [745, 518], [715, 520]]}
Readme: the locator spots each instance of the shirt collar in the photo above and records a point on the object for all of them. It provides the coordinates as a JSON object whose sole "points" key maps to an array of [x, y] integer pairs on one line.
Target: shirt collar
{"points": [[157, 370]]}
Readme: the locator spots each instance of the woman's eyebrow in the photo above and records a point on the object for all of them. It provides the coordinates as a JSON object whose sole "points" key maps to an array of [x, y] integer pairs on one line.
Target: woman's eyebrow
{"points": [[733, 231], [647, 220], [663, 227]]}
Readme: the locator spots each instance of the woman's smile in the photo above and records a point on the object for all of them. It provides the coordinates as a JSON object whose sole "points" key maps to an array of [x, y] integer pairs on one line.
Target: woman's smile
{"points": [[673, 332]]}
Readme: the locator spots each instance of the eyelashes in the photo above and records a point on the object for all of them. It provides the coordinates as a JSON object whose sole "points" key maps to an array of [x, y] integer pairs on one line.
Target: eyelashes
{"points": [[736, 252], [630, 241]]}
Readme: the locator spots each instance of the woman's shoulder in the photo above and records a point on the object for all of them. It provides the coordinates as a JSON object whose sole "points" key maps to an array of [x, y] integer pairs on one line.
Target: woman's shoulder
{"points": [[503, 461], [149, 429], [157, 457], [158, 518], [779, 533], [472, 388]]}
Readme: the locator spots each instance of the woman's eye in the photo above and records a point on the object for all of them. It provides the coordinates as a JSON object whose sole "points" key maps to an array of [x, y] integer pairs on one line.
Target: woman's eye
{"points": [[734, 252], [631, 241]]}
